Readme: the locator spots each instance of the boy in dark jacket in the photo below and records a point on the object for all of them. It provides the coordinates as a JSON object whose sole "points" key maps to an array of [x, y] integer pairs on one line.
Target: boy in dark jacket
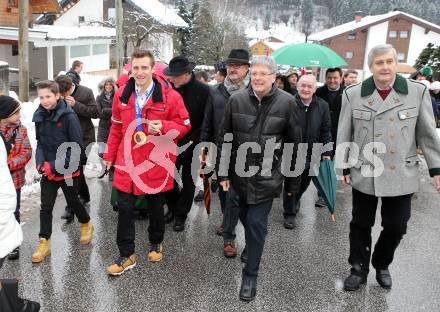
{"points": [[56, 123], [18, 147], [82, 101]]}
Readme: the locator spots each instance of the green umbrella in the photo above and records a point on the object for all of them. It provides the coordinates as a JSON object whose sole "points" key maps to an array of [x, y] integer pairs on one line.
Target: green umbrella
{"points": [[325, 181], [141, 202], [308, 55]]}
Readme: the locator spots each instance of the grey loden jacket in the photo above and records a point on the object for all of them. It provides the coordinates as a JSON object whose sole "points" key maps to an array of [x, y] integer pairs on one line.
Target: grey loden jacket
{"points": [[403, 121]]}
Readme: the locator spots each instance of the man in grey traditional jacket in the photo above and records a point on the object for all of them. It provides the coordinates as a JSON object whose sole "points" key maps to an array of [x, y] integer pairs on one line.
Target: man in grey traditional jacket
{"points": [[382, 121]]}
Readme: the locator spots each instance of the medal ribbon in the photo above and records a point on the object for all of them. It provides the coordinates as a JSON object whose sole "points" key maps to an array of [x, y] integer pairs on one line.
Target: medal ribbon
{"points": [[138, 111]]}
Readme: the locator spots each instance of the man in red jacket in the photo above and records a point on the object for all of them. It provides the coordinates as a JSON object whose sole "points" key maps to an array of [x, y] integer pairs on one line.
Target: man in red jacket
{"points": [[148, 117]]}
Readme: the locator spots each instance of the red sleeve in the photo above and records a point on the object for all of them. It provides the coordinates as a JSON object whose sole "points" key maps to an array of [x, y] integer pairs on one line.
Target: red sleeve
{"points": [[115, 136], [178, 117], [22, 152]]}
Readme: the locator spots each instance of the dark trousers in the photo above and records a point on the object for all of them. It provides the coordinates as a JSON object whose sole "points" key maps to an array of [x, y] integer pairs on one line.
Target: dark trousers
{"points": [[255, 232], [126, 228], [222, 197], [395, 212], [179, 201], [233, 212], [17, 208], [82, 188], [49, 192], [291, 203]]}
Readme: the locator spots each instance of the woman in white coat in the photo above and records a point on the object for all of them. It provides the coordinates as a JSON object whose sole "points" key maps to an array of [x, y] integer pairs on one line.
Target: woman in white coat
{"points": [[11, 235]]}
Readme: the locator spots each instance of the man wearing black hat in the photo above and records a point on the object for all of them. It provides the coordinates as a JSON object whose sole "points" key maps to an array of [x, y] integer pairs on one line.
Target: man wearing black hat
{"points": [[237, 67], [195, 96]]}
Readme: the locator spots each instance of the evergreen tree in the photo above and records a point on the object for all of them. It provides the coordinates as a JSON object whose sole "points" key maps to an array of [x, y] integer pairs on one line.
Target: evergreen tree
{"points": [[307, 17], [184, 33]]}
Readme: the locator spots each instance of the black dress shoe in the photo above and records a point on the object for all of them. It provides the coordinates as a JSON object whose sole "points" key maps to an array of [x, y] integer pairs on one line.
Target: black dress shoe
{"points": [[289, 222], [244, 255], [199, 196], [68, 216], [169, 217], [383, 277], [15, 254], [179, 226], [320, 203], [248, 289], [356, 278], [29, 306]]}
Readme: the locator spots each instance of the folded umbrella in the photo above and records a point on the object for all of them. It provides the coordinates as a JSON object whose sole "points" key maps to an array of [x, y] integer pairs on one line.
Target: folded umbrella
{"points": [[325, 181], [205, 178]]}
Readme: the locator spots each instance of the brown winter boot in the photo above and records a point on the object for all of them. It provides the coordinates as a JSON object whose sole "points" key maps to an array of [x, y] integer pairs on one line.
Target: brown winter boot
{"points": [[86, 230]]}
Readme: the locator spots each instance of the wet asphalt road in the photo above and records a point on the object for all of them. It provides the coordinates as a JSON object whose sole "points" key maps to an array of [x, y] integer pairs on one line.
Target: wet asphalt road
{"points": [[301, 269]]}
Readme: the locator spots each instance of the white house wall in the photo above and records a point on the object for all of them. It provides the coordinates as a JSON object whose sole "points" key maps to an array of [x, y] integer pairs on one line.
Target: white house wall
{"points": [[377, 34], [91, 10], [419, 40]]}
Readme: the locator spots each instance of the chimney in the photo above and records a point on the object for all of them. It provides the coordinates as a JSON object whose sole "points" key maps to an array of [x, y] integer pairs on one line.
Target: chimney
{"points": [[358, 16]]}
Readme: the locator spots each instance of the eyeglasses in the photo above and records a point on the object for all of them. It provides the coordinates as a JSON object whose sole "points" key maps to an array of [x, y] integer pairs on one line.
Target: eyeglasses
{"points": [[264, 75], [235, 66]]}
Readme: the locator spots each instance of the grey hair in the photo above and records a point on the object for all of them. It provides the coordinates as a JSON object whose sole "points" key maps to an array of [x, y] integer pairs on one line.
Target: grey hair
{"points": [[380, 50], [308, 76], [266, 61]]}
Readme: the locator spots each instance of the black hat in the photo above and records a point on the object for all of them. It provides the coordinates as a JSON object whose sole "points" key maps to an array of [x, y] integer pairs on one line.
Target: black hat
{"points": [[238, 56], [178, 66], [8, 106]]}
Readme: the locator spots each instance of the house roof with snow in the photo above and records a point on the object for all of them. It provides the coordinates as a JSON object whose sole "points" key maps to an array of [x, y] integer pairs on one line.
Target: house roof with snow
{"points": [[49, 35], [158, 11], [367, 22]]}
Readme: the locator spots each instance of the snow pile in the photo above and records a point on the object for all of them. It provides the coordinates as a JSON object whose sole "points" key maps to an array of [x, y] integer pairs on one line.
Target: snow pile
{"points": [[32, 176]]}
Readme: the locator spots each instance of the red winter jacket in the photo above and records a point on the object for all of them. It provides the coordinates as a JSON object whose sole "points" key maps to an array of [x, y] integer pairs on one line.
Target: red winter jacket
{"points": [[149, 168]]}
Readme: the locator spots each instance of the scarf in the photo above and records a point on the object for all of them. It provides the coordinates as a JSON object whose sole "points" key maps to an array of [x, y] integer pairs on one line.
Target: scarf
{"points": [[232, 88]]}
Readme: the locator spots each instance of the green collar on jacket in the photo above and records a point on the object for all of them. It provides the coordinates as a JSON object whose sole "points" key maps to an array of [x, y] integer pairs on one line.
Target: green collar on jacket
{"points": [[400, 86]]}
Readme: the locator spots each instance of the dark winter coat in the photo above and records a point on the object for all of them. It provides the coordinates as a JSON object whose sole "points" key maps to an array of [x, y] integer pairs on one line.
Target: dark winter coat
{"points": [[74, 76], [315, 124], [195, 95], [215, 108], [86, 109], [334, 105], [276, 117], [52, 129], [105, 110]]}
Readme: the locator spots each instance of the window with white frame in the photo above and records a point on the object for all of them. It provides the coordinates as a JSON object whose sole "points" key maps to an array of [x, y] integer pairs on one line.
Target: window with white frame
{"points": [[392, 34], [404, 34], [79, 51], [400, 57], [349, 54], [99, 49]]}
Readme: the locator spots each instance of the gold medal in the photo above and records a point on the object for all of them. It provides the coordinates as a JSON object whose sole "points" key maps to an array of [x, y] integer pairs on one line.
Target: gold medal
{"points": [[140, 138]]}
